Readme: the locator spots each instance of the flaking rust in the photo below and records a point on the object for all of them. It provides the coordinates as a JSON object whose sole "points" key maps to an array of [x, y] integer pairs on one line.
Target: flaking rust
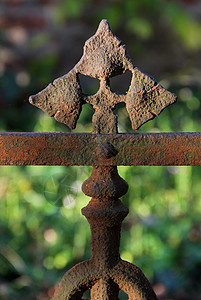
{"points": [[130, 149], [104, 57]]}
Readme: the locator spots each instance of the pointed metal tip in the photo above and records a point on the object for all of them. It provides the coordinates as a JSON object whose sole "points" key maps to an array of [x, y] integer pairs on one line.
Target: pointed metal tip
{"points": [[31, 100], [104, 21], [104, 24]]}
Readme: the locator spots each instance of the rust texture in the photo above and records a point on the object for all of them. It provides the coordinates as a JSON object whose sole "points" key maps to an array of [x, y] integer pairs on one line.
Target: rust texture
{"points": [[131, 149], [104, 57], [105, 273]]}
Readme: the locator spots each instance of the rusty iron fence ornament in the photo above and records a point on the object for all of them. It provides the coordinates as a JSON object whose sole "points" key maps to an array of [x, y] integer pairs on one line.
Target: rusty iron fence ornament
{"points": [[104, 57]]}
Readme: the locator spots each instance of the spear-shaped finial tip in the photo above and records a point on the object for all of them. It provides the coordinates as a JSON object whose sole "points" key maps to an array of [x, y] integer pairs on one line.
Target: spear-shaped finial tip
{"points": [[104, 25], [104, 57]]}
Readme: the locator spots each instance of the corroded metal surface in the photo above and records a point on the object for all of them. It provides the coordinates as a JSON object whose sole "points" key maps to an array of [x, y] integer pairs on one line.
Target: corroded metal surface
{"points": [[105, 273], [104, 57], [134, 149]]}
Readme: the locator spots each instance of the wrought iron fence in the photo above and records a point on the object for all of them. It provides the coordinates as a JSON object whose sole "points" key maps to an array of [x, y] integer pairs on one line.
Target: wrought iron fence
{"points": [[104, 149]]}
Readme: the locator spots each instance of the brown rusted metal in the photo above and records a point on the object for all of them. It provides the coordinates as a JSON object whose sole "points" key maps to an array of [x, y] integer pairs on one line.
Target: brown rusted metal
{"points": [[104, 57], [133, 149], [105, 273]]}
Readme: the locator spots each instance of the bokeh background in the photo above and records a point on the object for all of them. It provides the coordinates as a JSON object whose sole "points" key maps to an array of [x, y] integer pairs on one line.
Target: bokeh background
{"points": [[42, 231]]}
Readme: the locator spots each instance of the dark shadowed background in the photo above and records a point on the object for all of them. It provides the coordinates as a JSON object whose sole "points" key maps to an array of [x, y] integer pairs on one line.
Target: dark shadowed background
{"points": [[42, 231]]}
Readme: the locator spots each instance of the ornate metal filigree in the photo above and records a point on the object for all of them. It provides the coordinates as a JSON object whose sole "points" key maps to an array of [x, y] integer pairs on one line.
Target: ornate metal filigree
{"points": [[104, 57]]}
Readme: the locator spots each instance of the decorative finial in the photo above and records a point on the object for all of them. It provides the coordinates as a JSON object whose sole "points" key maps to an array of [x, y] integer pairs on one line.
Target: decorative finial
{"points": [[104, 57]]}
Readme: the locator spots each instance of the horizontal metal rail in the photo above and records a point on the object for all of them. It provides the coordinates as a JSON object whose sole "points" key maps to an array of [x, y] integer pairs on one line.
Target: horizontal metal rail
{"points": [[132, 149]]}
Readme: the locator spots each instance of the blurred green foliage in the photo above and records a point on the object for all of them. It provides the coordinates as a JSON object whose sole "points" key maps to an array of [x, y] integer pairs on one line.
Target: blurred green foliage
{"points": [[138, 17], [43, 233]]}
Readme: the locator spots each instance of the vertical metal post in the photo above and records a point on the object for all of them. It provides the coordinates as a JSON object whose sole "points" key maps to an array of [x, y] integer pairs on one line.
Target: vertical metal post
{"points": [[105, 213], [104, 57]]}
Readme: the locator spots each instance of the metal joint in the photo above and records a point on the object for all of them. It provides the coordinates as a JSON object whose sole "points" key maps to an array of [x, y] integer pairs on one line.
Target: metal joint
{"points": [[104, 57]]}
